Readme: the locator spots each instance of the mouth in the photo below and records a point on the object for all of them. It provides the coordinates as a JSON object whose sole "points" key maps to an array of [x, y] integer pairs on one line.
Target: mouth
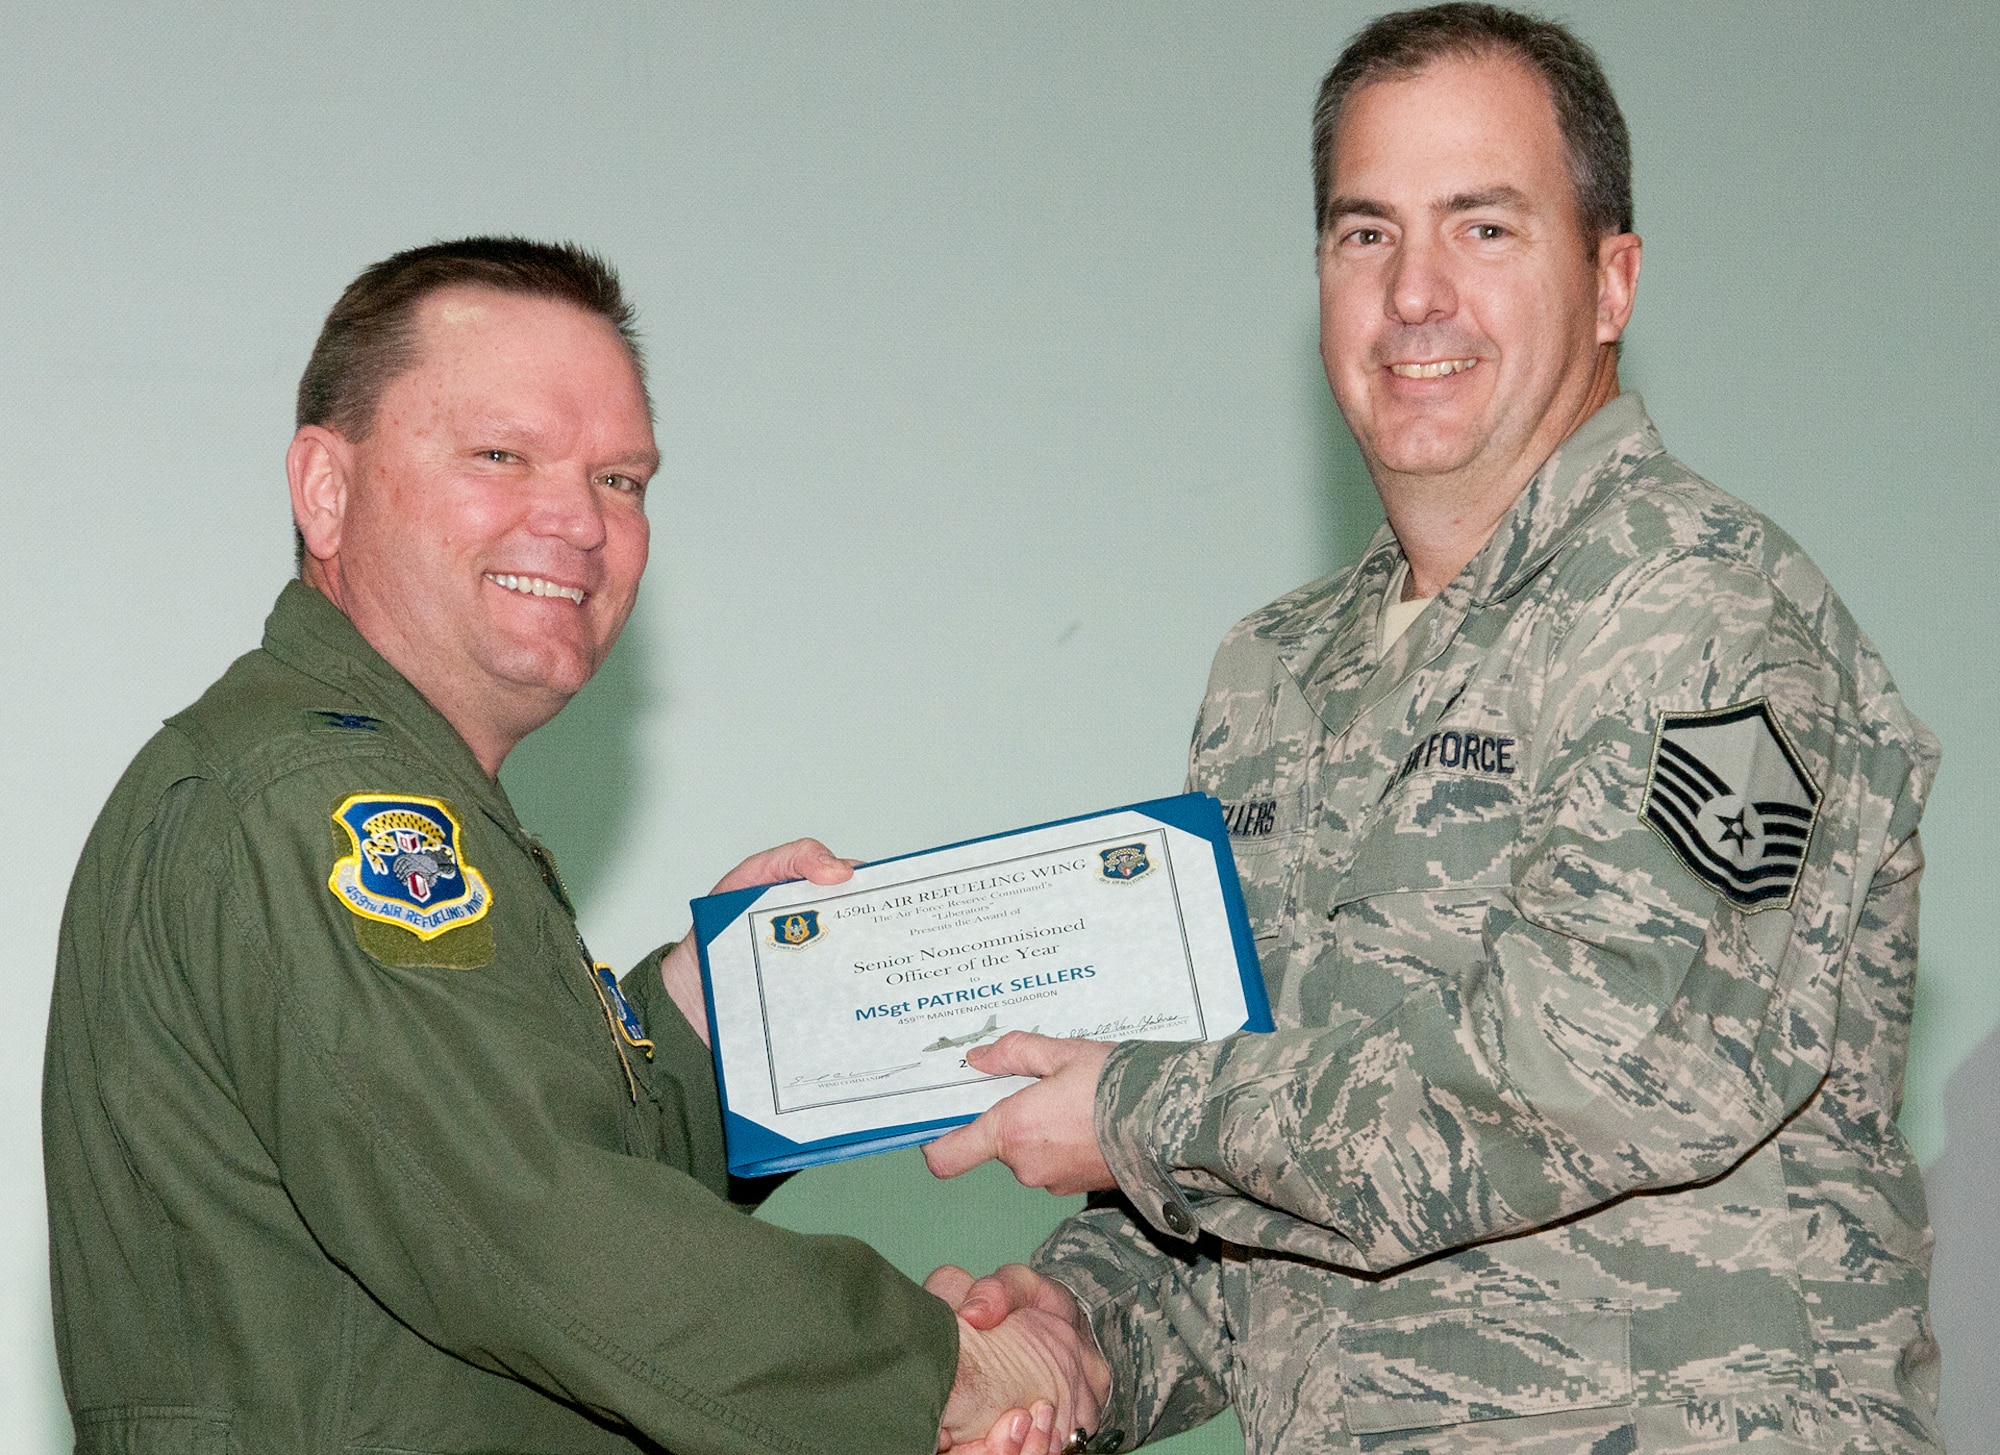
{"points": [[1437, 369], [535, 586]]}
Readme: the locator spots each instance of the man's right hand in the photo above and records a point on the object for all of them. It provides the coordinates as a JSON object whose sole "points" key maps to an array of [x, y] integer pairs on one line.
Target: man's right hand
{"points": [[985, 1302], [1023, 1347], [680, 967]]}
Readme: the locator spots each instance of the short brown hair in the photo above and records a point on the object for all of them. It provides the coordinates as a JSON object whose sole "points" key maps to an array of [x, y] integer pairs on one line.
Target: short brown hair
{"points": [[1407, 41], [370, 336]]}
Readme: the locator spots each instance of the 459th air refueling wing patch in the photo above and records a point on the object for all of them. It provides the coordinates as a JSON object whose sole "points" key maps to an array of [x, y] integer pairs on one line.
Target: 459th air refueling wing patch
{"points": [[1125, 863], [1733, 801], [406, 869]]}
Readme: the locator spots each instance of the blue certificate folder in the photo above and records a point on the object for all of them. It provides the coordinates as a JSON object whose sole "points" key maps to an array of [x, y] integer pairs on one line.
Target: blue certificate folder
{"points": [[1189, 860]]}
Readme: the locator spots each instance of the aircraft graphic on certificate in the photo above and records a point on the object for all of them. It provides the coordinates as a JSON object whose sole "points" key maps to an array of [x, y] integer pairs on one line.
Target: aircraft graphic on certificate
{"points": [[841, 1016]]}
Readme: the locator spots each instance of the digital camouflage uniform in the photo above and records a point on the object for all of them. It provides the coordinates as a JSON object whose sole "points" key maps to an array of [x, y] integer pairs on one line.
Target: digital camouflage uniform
{"points": [[1588, 914], [318, 1182]]}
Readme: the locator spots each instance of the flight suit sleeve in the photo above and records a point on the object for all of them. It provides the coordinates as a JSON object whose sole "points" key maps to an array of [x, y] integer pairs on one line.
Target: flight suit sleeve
{"points": [[1629, 1018], [681, 1077], [479, 1165], [680, 1074]]}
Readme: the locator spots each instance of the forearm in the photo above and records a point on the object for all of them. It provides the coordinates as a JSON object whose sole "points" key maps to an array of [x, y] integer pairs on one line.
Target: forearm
{"points": [[1448, 1121], [1157, 1318]]}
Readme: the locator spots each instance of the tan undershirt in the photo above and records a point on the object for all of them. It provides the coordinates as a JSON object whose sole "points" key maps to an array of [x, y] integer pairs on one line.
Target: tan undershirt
{"points": [[1397, 614]]}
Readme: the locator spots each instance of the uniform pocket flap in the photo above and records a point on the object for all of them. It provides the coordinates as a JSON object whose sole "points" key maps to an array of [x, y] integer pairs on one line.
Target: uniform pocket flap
{"points": [[1264, 869], [165, 1429], [1462, 1365], [1434, 833]]}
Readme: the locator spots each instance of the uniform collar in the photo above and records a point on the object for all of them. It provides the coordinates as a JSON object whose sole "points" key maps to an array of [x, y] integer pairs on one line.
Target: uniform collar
{"points": [[1572, 485], [1335, 658], [311, 635]]}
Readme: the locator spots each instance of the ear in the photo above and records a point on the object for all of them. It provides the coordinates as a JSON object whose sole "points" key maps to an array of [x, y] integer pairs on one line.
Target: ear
{"points": [[1617, 283], [319, 466]]}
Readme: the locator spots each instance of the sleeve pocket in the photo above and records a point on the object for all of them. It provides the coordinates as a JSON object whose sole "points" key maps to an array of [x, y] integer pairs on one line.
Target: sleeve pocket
{"points": [[1463, 1365]]}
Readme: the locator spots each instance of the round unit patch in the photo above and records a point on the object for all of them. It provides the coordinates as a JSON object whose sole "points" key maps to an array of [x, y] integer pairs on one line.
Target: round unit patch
{"points": [[406, 869]]}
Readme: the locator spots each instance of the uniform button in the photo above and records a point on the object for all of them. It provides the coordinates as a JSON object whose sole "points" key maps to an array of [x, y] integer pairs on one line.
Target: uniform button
{"points": [[1177, 1220]]}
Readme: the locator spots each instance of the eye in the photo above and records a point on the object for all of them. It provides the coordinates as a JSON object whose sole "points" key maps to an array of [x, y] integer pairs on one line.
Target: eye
{"points": [[1365, 236], [1488, 231], [500, 457], [623, 484]]}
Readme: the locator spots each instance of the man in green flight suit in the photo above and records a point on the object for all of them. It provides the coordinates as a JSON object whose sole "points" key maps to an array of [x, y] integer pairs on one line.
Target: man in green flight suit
{"points": [[1578, 824], [350, 1144]]}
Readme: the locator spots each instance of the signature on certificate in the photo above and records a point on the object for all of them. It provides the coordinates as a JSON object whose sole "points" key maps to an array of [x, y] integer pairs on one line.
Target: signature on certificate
{"points": [[1127, 1028], [852, 1078]]}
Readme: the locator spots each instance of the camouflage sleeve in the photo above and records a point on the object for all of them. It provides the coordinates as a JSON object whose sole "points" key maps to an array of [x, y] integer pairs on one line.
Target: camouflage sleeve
{"points": [[1610, 1021], [1869, 1225], [1157, 1312]]}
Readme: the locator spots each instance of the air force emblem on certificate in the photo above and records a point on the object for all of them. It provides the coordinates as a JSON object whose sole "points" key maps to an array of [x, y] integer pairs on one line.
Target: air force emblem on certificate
{"points": [[1124, 863], [406, 867], [1732, 800], [796, 929]]}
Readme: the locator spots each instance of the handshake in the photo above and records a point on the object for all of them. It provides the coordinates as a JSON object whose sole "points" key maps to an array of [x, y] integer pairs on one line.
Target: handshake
{"points": [[1030, 1379]]}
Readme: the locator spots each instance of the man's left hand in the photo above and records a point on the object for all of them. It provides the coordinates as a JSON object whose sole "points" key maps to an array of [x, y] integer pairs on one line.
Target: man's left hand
{"points": [[680, 967], [1045, 1133]]}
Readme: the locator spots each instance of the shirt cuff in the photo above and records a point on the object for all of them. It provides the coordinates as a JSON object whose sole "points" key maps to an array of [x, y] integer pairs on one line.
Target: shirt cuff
{"points": [[647, 994], [676, 1047], [1149, 1100]]}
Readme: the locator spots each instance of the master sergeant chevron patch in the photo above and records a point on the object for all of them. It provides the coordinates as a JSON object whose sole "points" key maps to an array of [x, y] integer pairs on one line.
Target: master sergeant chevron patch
{"points": [[1733, 801]]}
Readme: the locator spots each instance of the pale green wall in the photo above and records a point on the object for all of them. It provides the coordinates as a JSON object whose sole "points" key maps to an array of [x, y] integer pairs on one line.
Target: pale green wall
{"points": [[983, 338]]}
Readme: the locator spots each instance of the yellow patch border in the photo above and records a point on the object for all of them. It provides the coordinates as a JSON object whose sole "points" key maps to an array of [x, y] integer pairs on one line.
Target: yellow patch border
{"points": [[349, 866], [598, 969]]}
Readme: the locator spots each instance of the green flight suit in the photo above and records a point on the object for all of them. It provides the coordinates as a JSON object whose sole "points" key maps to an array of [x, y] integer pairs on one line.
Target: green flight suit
{"points": [[1588, 914], [319, 1183]]}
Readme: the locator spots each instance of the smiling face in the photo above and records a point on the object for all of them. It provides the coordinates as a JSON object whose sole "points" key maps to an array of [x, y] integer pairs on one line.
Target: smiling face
{"points": [[1465, 324], [488, 535]]}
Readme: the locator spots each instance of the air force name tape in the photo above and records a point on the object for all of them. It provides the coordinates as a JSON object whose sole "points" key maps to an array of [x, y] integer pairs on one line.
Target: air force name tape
{"points": [[407, 868], [1732, 800]]}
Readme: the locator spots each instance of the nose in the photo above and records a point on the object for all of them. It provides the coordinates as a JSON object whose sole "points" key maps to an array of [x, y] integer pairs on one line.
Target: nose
{"points": [[568, 508], [1420, 283]]}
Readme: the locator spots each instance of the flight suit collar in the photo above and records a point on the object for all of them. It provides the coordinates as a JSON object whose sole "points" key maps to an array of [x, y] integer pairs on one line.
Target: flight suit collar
{"points": [[311, 635], [1337, 663]]}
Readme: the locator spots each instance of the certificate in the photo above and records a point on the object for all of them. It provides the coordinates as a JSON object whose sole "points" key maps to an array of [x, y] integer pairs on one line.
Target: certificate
{"points": [[840, 1015]]}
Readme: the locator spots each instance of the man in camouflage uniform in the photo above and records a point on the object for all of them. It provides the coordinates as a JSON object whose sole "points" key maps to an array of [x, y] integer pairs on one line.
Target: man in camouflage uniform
{"points": [[1578, 828]]}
